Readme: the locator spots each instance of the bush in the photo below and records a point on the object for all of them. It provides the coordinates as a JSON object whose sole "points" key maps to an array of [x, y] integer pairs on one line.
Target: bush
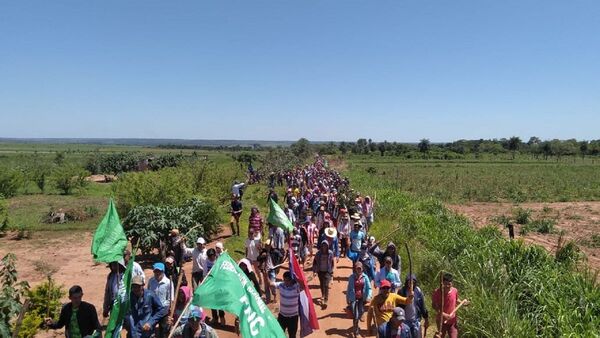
{"points": [[3, 215], [12, 294], [11, 180], [147, 225], [569, 254], [45, 302], [68, 178], [522, 216]]}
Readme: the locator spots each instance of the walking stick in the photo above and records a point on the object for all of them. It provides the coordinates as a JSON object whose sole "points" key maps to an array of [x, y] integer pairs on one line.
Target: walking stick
{"points": [[179, 319], [455, 309], [441, 321], [20, 318]]}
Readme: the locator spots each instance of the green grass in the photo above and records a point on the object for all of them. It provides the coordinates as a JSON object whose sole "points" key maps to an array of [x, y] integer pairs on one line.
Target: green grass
{"points": [[486, 181], [516, 290], [29, 210]]}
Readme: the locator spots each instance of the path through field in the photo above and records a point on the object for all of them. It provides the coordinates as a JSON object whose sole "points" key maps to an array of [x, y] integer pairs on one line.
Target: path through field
{"points": [[70, 252]]}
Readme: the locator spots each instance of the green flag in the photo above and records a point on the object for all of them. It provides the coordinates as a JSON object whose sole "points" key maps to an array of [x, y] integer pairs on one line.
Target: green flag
{"points": [[227, 288], [109, 239], [278, 218], [121, 305]]}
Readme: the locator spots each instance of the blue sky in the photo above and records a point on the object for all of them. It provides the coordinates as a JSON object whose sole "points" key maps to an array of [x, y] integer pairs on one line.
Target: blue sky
{"points": [[281, 70]]}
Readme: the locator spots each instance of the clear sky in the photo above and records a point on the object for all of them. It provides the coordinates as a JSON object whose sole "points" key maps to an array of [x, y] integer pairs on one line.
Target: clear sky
{"points": [[281, 70]]}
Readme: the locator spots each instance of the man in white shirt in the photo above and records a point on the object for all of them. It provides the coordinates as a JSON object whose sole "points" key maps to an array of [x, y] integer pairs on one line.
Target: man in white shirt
{"points": [[163, 289], [137, 268], [235, 188], [198, 258]]}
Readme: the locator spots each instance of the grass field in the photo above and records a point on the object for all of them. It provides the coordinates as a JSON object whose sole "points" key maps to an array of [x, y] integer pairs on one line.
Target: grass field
{"points": [[483, 181]]}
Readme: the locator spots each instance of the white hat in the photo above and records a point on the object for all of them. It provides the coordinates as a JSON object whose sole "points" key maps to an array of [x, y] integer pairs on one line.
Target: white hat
{"points": [[219, 245], [200, 240]]}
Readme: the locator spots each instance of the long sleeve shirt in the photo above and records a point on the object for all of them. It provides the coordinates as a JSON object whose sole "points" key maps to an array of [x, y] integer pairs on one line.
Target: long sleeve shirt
{"points": [[146, 309], [163, 289], [391, 275], [198, 258]]}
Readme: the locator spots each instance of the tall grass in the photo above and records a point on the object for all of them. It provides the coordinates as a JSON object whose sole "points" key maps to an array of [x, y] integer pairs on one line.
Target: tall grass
{"points": [[516, 290]]}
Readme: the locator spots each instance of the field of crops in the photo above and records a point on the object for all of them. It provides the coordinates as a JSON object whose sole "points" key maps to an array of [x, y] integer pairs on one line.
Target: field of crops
{"points": [[516, 290], [481, 181]]}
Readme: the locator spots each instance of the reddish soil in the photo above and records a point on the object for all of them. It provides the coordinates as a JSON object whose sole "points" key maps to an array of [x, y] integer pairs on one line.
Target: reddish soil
{"points": [[578, 220], [70, 253]]}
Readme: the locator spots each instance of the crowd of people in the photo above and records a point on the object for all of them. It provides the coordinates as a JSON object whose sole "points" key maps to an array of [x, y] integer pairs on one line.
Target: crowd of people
{"points": [[331, 222]]}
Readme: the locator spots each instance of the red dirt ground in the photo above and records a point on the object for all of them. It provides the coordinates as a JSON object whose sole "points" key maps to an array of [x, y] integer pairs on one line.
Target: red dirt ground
{"points": [[70, 253], [579, 220]]}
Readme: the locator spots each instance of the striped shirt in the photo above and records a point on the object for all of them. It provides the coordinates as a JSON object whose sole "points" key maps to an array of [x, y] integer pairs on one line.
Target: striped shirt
{"points": [[289, 297]]}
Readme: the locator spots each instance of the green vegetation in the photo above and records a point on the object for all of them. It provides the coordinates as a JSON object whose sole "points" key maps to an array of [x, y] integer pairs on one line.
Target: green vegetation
{"points": [[516, 290], [148, 225], [483, 181], [12, 294]]}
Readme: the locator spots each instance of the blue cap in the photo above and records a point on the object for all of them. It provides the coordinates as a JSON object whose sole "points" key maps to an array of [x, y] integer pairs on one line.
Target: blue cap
{"points": [[158, 266]]}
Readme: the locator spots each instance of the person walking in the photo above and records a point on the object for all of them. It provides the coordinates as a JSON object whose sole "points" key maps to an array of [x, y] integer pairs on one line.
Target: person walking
{"points": [[198, 261], [253, 248], [236, 213], [358, 292], [446, 316], [162, 287], [255, 221], [146, 310], [78, 317], [383, 305], [114, 281], [289, 295], [323, 266], [388, 273], [357, 236], [395, 327], [416, 309], [218, 316]]}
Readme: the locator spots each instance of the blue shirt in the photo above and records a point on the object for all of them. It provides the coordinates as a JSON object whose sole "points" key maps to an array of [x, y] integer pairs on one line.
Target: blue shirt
{"points": [[356, 238], [145, 309]]}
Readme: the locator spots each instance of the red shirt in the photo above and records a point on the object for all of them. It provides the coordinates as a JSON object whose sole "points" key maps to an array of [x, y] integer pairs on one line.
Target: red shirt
{"points": [[450, 300], [359, 284]]}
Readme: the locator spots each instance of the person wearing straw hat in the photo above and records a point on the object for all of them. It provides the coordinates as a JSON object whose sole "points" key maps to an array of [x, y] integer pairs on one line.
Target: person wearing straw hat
{"points": [[329, 234], [343, 229]]}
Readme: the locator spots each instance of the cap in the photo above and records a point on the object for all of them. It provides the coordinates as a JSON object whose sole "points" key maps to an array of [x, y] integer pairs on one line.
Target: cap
{"points": [[170, 260], [158, 266], [355, 216], [200, 240], [219, 245], [385, 284], [174, 232], [137, 280], [398, 313]]}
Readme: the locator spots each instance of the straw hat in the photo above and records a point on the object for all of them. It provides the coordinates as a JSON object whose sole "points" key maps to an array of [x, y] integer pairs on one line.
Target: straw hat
{"points": [[355, 216], [330, 232]]}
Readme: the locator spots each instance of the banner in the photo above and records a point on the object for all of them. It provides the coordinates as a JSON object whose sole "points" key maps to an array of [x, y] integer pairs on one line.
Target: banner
{"points": [[121, 305], [308, 315], [278, 217], [109, 240], [227, 288]]}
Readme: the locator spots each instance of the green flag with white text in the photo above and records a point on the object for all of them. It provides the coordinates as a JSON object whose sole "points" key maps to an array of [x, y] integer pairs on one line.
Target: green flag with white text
{"points": [[227, 288], [109, 240], [278, 218], [121, 305]]}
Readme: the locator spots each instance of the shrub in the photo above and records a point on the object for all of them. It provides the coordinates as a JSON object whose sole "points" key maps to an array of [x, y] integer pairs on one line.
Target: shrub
{"points": [[591, 242], [12, 294], [68, 178], [3, 215], [569, 254], [45, 302], [522, 216], [11, 180], [544, 226], [147, 225]]}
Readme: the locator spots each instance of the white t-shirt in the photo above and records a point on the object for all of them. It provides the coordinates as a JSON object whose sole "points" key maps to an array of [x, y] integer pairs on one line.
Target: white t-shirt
{"points": [[253, 249]]}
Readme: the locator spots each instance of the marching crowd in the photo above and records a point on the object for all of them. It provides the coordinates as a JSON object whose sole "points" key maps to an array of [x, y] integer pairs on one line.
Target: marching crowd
{"points": [[331, 222]]}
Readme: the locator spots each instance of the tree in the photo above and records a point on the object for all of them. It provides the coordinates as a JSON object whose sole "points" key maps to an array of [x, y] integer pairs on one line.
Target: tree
{"points": [[513, 145], [302, 148], [583, 148], [362, 146], [424, 145], [343, 147], [69, 177], [12, 295]]}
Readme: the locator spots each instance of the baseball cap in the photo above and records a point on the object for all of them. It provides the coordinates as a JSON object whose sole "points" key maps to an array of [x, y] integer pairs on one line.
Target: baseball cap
{"points": [[385, 284], [158, 266], [399, 313], [219, 245], [200, 240], [137, 280]]}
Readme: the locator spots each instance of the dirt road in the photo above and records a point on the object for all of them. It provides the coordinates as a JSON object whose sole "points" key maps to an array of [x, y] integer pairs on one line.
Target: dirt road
{"points": [[70, 253]]}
